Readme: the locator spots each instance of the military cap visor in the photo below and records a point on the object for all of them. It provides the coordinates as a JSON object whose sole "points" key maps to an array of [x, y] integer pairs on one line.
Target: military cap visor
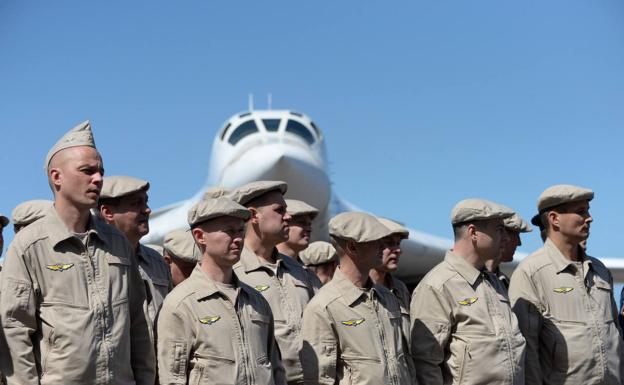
{"points": [[560, 194], [119, 186], [470, 210], [516, 223], [246, 193], [395, 227], [296, 207], [209, 209], [358, 227]]}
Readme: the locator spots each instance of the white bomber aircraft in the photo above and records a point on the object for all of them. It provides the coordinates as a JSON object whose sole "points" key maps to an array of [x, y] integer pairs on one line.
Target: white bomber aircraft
{"points": [[286, 145]]}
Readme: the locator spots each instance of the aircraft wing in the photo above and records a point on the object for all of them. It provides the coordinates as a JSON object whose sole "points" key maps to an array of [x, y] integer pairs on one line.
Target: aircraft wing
{"points": [[166, 219]]}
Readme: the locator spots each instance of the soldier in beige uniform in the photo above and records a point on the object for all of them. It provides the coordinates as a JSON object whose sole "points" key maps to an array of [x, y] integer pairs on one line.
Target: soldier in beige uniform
{"points": [[321, 259], [214, 329], [300, 228], [352, 328], [284, 282], [382, 274], [514, 225], [27, 212], [71, 299], [564, 299], [463, 329], [181, 254], [123, 204]]}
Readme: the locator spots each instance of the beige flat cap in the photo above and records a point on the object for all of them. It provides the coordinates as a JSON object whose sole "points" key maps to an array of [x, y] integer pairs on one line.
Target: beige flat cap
{"points": [[3, 221], [253, 190], [215, 192], [395, 227], [217, 207], [297, 207], [27, 212], [318, 253], [358, 227], [81, 135], [562, 193], [470, 210], [516, 223], [121, 185], [180, 244]]}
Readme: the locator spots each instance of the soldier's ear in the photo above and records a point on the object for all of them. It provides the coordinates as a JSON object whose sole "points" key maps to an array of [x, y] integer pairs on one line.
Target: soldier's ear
{"points": [[254, 215], [106, 213], [471, 231], [198, 235]]}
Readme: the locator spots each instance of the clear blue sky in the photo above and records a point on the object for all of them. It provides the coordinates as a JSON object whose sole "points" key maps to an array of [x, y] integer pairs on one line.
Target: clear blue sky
{"points": [[422, 103]]}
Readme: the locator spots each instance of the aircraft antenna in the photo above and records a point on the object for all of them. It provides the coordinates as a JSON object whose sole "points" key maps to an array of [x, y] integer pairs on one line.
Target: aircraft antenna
{"points": [[251, 107], [270, 100]]}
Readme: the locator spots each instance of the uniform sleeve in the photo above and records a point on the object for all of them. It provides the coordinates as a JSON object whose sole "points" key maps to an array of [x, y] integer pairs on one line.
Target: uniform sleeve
{"points": [[320, 347], [279, 373], [431, 322], [17, 311], [173, 346], [525, 304], [142, 350]]}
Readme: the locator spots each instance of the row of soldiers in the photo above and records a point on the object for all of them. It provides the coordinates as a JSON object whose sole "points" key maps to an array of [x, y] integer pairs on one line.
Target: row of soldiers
{"points": [[243, 298]]}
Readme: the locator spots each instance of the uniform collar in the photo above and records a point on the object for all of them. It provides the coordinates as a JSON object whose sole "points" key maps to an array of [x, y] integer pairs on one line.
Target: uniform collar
{"points": [[58, 231], [560, 262], [463, 268], [206, 287], [251, 262], [347, 289]]}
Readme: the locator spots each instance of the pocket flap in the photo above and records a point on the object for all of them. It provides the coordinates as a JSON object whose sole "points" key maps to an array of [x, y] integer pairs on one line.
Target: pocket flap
{"points": [[115, 260]]}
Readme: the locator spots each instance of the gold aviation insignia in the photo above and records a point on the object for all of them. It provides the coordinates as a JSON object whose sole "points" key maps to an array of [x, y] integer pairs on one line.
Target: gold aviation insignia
{"points": [[210, 320], [563, 290], [261, 288], [353, 322], [468, 301], [60, 266]]}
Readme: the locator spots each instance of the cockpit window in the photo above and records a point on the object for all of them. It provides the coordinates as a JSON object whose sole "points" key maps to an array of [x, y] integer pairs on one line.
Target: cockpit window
{"points": [[271, 124], [300, 130], [225, 130], [246, 128], [318, 132]]}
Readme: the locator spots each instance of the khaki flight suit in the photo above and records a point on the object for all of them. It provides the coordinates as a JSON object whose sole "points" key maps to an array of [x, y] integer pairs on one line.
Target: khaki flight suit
{"points": [[204, 338], [463, 328], [73, 314], [287, 292], [568, 316], [398, 288], [157, 278], [354, 336]]}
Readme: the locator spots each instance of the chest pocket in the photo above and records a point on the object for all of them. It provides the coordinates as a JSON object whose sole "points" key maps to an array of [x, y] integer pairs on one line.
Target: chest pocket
{"points": [[118, 277], [601, 295]]}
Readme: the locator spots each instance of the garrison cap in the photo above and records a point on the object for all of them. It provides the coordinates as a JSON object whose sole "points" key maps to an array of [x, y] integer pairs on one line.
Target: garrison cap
{"points": [[516, 223], [119, 186], [395, 227], [218, 207], [358, 227], [180, 244], [81, 135], [246, 193], [562, 193], [470, 210], [3, 221], [297, 207], [27, 212], [318, 253], [215, 192]]}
